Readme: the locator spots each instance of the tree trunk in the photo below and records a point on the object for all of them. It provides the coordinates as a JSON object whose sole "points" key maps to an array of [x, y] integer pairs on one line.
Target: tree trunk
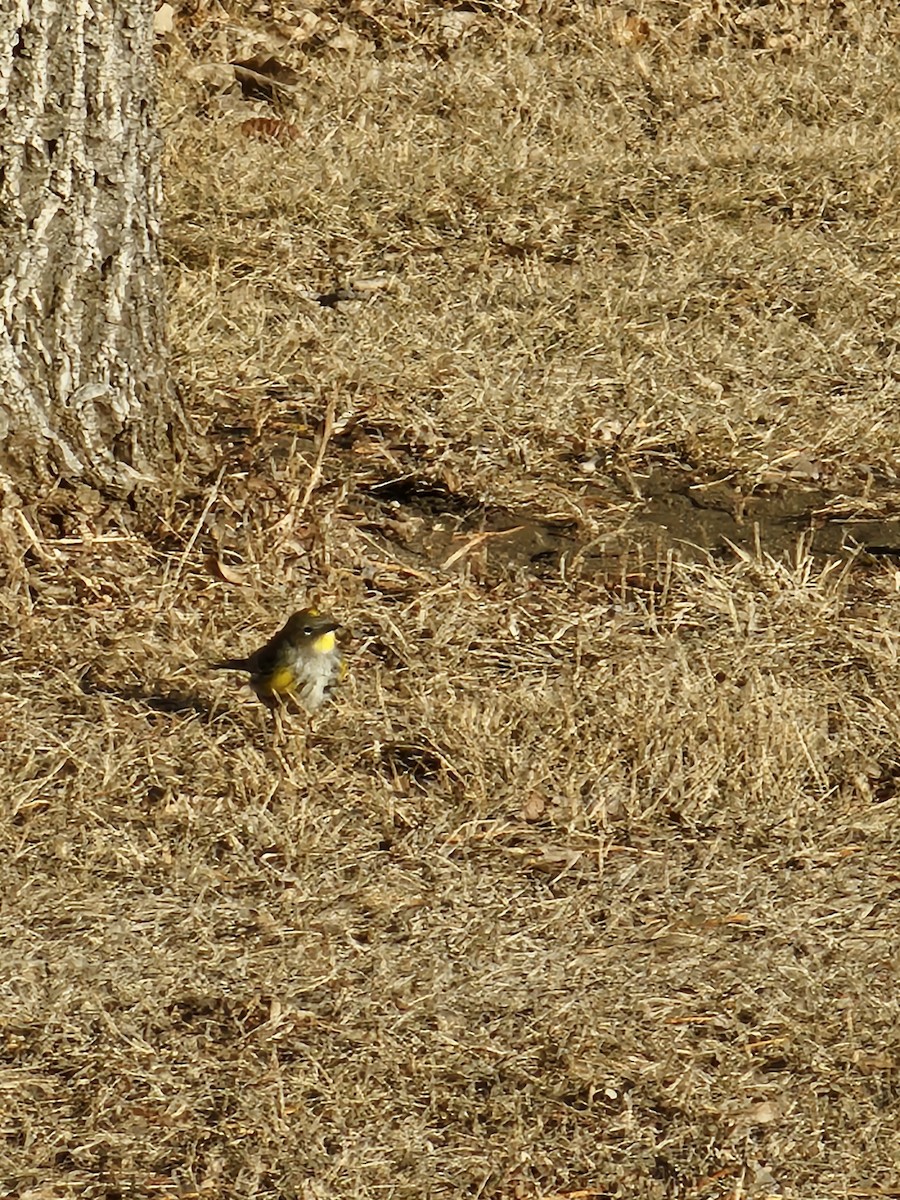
{"points": [[82, 364]]}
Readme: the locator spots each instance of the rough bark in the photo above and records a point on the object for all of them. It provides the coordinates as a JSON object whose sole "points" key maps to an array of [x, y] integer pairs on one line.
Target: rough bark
{"points": [[82, 365]]}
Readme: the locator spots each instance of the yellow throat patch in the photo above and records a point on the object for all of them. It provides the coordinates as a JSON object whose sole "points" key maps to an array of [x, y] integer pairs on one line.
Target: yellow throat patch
{"points": [[325, 642]]}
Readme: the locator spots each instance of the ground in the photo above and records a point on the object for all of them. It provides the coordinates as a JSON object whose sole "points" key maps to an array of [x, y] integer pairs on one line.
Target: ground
{"points": [[553, 347]]}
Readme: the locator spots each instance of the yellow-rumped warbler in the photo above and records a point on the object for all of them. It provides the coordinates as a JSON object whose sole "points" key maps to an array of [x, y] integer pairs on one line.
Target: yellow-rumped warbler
{"points": [[302, 662]]}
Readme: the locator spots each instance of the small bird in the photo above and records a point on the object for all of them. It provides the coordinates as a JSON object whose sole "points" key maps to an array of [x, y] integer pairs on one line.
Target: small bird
{"points": [[302, 662]]}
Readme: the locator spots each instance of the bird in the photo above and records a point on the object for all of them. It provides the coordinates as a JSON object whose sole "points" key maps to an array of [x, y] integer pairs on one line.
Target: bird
{"points": [[301, 662]]}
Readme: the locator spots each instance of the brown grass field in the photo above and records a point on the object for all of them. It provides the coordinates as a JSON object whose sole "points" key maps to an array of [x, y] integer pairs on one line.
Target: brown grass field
{"points": [[554, 348]]}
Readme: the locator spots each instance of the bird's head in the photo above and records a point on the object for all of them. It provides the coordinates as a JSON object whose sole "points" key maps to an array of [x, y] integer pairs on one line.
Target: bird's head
{"points": [[311, 628]]}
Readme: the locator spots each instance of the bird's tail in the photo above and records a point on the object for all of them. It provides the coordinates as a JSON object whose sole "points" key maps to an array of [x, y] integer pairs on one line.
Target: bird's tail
{"points": [[231, 664]]}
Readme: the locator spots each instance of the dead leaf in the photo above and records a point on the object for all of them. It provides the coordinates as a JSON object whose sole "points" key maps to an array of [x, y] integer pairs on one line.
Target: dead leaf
{"points": [[636, 29], [628, 27], [457, 24], [221, 570], [608, 430], [348, 40], [306, 26], [450, 480], [261, 78], [374, 283], [763, 1113], [218, 76], [533, 808], [554, 860], [164, 19], [270, 129], [872, 1064]]}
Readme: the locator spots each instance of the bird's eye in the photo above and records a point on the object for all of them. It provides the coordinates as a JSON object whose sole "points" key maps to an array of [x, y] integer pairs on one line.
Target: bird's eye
{"points": [[308, 631]]}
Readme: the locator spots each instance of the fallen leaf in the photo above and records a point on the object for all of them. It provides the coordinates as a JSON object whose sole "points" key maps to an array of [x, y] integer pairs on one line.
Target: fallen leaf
{"points": [[763, 1113], [164, 19], [216, 567], [270, 129], [374, 283], [260, 78], [455, 25], [450, 480], [350, 41], [628, 27], [554, 860], [533, 808]]}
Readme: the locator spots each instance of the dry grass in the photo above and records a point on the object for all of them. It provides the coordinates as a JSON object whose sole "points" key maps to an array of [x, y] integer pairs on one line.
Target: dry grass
{"points": [[587, 884]]}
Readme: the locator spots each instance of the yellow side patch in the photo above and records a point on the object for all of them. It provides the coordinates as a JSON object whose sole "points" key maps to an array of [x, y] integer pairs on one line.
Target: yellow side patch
{"points": [[282, 680], [325, 642]]}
